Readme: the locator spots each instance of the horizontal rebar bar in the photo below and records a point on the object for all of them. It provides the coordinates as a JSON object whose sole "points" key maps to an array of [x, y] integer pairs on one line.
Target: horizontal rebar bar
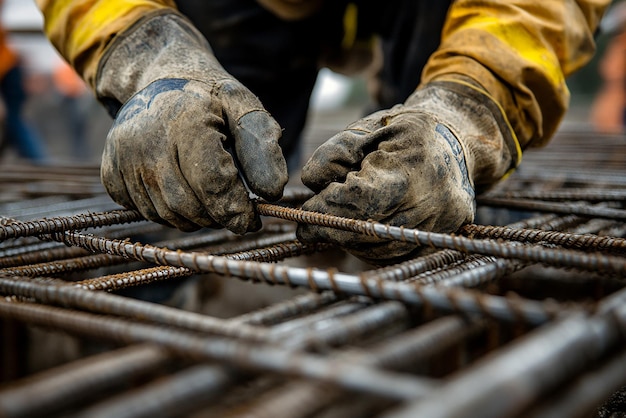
{"points": [[53, 390], [273, 253], [461, 301], [562, 239], [554, 207], [278, 312], [171, 396], [119, 281], [538, 254], [58, 292], [255, 356], [15, 229], [586, 194]]}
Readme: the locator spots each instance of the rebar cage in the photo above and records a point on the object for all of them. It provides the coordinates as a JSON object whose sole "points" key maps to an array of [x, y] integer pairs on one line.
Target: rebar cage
{"points": [[522, 314]]}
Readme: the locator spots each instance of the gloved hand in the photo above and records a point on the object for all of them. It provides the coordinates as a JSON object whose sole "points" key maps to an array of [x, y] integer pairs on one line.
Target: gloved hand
{"points": [[188, 134], [415, 165]]}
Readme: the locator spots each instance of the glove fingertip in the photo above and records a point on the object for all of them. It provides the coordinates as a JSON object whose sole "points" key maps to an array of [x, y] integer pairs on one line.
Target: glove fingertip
{"points": [[260, 156], [317, 176], [311, 178], [269, 183], [332, 161]]}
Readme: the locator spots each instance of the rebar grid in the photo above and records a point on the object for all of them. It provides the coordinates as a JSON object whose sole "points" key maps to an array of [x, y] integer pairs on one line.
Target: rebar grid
{"points": [[520, 314]]}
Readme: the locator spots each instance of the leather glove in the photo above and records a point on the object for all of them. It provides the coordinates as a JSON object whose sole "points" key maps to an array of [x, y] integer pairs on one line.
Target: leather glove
{"points": [[189, 137], [415, 165]]}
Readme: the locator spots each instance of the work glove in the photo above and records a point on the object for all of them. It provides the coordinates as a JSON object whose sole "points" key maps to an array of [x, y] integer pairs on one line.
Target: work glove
{"points": [[189, 137], [415, 165]]}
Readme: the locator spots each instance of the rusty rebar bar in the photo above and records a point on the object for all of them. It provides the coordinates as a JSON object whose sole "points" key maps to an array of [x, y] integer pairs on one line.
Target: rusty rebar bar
{"points": [[15, 229], [562, 239], [273, 253], [58, 292], [278, 312], [586, 194], [171, 396], [579, 209], [256, 357], [537, 254], [53, 390], [133, 278], [462, 301]]}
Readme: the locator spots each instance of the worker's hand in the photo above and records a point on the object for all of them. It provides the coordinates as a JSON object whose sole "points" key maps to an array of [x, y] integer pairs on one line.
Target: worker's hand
{"points": [[415, 165], [188, 134]]}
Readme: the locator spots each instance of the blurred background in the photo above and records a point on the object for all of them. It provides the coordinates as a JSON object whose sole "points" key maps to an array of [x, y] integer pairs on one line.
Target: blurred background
{"points": [[59, 109], [72, 125]]}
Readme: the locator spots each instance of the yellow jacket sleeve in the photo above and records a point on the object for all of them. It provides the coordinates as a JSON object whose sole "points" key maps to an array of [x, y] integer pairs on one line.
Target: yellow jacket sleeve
{"points": [[520, 52], [81, 29]]}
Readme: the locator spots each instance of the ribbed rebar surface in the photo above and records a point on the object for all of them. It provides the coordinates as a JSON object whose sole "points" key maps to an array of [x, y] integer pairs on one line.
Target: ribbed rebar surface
{"points": [[521, 314]]}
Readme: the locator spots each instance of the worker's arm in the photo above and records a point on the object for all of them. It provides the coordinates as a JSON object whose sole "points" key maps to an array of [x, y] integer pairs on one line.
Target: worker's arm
{"points": [[495, 85], [520, 52], [186, 133], [82, 30]]}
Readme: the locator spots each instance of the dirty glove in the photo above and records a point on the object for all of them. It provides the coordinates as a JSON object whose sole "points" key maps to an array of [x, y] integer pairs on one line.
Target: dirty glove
{"points": [[415, 165], [188, 135]]}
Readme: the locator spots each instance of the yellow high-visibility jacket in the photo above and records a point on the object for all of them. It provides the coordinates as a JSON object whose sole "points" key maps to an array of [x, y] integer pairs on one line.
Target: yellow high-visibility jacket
{"points": [[520, 51]]}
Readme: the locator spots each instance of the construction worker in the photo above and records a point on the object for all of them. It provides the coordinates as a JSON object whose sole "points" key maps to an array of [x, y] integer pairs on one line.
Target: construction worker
{"points": [[18, 134], [203, 93]]}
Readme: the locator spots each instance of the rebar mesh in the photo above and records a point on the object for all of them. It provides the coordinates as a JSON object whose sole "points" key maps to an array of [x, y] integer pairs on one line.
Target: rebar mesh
{"points": [[522, 314]]}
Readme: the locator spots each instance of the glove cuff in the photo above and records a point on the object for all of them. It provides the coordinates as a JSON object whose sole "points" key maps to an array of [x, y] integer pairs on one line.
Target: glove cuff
{"points": [[491, 147], [161, 45]]}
